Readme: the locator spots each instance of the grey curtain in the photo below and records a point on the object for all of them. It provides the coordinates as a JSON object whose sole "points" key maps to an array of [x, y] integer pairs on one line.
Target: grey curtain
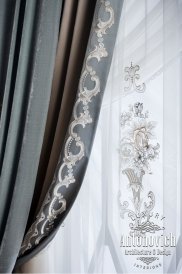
{"points": [[50, 104], [75, 27], [78, 141], [29, 33]]}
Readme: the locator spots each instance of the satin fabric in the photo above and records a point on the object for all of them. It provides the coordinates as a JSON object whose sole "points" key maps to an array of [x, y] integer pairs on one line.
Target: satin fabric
{"points": [[86, 133], [74, 32], [33, 34]]}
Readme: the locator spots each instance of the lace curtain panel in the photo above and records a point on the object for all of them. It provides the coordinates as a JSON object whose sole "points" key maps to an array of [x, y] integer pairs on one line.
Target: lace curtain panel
{"points": [[133, 182]]}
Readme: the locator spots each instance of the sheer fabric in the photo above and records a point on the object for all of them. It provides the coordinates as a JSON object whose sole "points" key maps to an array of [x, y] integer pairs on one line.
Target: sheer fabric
{"points": [[150, 35]]}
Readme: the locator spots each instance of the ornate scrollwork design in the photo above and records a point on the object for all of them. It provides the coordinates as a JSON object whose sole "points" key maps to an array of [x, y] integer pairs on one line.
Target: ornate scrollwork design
{"points": [[137, 150], [141, 223], [55, 201], [131, 77], [147, 260]]}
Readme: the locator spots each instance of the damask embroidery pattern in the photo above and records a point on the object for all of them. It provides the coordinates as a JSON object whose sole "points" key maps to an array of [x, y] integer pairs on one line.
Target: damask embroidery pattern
{"points": [[137, 150], [148, 260], [137, 146], [55, 200], [131, 77]]}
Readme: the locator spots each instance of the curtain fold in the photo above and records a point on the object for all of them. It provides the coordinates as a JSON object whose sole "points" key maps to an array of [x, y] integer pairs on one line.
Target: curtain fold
{"points": [[9, 11], [25, 105], [8, 63], [50, 105], [75, 152], [90, 239], [74, 32], [81, 33]]}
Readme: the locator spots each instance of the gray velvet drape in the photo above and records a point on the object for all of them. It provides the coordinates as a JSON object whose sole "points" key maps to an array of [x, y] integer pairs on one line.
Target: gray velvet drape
{"points": [[75, 27], [29, 33], [28, 64]]}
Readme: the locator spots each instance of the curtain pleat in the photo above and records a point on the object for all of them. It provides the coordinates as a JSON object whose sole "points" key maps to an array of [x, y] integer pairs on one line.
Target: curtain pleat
{"points": [[81, 33], [50, 102], [14, 137], [62, 55], [77, 135], [7, 10], [74, 32], [8, 63], [28, 87]]}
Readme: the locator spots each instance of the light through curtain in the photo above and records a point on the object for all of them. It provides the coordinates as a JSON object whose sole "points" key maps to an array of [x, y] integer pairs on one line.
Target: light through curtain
{"points": [[89, 241]]}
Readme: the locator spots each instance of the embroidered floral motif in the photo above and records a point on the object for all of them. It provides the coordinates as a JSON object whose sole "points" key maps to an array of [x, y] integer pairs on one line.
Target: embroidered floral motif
{"points": [[55, 200], [137, 150]]}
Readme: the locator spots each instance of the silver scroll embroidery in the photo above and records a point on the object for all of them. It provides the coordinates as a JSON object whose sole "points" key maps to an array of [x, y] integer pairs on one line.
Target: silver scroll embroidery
{"points": [[148, 260], [81, 116], [131, 77]]}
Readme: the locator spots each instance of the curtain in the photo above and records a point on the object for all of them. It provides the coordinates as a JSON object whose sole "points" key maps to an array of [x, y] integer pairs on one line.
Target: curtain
{"points": [[89, 239], [74, 32], [29, 30], [54, 70], [79, 138]]}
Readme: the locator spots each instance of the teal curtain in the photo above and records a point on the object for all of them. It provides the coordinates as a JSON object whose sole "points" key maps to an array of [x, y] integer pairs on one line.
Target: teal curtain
{"points": [[29, 31], [28, 39], [81, 130]]}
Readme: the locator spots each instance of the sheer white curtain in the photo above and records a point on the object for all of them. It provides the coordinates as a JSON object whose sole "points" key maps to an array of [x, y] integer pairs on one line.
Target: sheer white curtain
{"points": [[150, 35]]}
